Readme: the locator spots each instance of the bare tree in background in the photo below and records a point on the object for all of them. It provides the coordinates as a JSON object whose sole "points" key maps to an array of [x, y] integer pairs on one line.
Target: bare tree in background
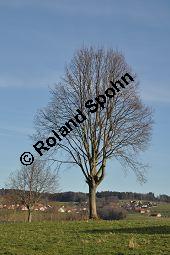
{"points": [[119, 128], [31, 182]]}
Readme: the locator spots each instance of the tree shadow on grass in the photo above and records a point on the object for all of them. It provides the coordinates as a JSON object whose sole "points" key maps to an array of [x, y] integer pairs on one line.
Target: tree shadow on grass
{"points": [[137, 230]]}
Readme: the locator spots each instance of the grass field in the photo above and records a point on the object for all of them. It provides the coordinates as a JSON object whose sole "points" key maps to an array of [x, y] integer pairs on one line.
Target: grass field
{"points": [[134, 237]]}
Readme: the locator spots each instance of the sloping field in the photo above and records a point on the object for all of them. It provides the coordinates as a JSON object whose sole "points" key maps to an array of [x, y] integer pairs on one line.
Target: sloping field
{"points": [[151, 236]]}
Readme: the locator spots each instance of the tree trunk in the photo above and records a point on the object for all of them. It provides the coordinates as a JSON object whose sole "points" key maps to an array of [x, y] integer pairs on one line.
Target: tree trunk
{"points": [[29, 215], [92, 201]]}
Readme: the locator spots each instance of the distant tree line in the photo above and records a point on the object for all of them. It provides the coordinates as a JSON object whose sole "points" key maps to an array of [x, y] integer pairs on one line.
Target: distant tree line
{"points": [[69, 197], [133, 196], [82, 197]]}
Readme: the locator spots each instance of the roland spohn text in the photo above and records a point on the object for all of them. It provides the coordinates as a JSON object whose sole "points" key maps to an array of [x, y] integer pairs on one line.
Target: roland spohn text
{"points": [[80, 117]]}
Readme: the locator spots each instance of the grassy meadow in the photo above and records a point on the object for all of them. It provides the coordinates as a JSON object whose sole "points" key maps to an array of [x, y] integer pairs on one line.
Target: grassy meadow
{"points": [[51, 233], [134, 237]]}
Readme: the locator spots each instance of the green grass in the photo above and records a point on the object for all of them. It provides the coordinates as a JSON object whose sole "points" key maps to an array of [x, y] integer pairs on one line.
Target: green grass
{"points": [[133, 237]]}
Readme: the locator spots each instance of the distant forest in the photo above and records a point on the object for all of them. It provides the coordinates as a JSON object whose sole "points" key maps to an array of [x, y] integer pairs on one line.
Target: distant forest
{"points": [[103, 195]]}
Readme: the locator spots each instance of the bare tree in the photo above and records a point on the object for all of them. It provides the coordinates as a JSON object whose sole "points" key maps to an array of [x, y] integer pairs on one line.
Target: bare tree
{"points": [[31, 182], [111, 122]]}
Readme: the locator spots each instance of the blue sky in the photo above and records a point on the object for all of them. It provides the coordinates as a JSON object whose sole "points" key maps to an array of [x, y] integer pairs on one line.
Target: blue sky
{"points": [[38, 38]]}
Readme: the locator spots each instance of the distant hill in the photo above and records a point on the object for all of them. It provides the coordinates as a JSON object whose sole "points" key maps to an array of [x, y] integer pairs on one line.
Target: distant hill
{"points": [[71, 196]]}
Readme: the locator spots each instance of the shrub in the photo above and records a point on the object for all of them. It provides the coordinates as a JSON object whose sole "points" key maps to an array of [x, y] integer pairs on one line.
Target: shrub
{"points": [[111, 213]]}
